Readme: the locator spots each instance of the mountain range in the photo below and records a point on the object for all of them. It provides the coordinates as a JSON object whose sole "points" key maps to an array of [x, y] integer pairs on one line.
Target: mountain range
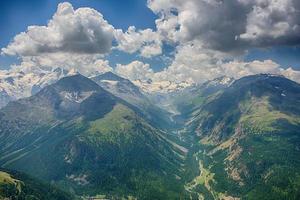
{"points": [[247, 139], [18, 83], [81, 137], [105, 137]]}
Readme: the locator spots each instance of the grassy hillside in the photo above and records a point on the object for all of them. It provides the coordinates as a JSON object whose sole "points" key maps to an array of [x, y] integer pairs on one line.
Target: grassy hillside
{"points": [[249, 140], [240, 140], [88, 142], [15, 185]]}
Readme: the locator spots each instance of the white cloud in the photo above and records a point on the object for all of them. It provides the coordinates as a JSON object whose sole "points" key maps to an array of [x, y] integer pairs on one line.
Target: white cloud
{"points": [[214, 23], [291, 74], [238, 69], [85, 64], [75, 31], [152, 49], [210, 33], [72, 39], [231, 25], [206, 34], [146, 41], [273, 22], [135, 70], [195, 64]]}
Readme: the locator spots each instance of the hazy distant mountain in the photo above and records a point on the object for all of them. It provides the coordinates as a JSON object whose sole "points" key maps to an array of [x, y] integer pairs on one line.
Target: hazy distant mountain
{"points": [[126, 90], [190, 98], [249, 137], [16, 84], [120, 87], [84, 139], [151, 86]]}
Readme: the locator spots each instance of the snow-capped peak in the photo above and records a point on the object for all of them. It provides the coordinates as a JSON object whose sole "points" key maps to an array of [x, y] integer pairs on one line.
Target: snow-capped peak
{"points": [[151, 86], [223, 80], [72, 72], [16, 84]]}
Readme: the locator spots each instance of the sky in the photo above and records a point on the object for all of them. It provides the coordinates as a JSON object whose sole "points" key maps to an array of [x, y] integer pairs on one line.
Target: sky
{"points": [[17, 15], [162, 40]]}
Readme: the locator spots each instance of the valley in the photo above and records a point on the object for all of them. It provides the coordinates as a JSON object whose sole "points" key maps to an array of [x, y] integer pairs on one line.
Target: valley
{"points": [[197, 177], [254, 152], [150, 100], [104, 138]]}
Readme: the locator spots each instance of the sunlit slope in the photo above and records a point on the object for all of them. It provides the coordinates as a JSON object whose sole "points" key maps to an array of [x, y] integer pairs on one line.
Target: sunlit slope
{"points": [[15, 185], [249, 139]]}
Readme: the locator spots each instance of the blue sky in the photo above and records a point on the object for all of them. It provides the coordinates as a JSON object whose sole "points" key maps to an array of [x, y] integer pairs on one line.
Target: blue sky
{"points": [[17, 15], [286, 56]]}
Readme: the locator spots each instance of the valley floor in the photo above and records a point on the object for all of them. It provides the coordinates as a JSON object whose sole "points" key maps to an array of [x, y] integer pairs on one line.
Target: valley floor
{"points": [[198, 177]]}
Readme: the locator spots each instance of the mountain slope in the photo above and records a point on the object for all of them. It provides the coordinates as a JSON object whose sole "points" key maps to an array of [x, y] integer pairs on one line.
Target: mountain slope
{"points": [[120, 87], [15, 185], [189, 99], [126, 90], [84, 139], [249, 139]]}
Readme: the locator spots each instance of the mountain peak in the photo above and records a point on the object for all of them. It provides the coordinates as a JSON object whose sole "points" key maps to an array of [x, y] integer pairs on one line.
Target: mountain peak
{"points": [[118, 86], [222, 80], [272, 79], [76, 82], [109, 76], [72, 96]]}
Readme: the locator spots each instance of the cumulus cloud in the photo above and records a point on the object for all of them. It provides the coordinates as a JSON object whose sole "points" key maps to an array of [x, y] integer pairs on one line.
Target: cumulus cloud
{"points": [[195, 64], [291, 74], [73, 39], [273, 22], [147, 42], [231, 25], [238, 69], [210, 38], [85, 64], [213, 35], [182, 73], [135, 70], [215, 23], [75, 31]]}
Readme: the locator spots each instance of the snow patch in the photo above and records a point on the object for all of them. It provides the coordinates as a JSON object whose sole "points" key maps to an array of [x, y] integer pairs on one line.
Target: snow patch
{"points": [[161, 86], [114, 83], [76, 96]]}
